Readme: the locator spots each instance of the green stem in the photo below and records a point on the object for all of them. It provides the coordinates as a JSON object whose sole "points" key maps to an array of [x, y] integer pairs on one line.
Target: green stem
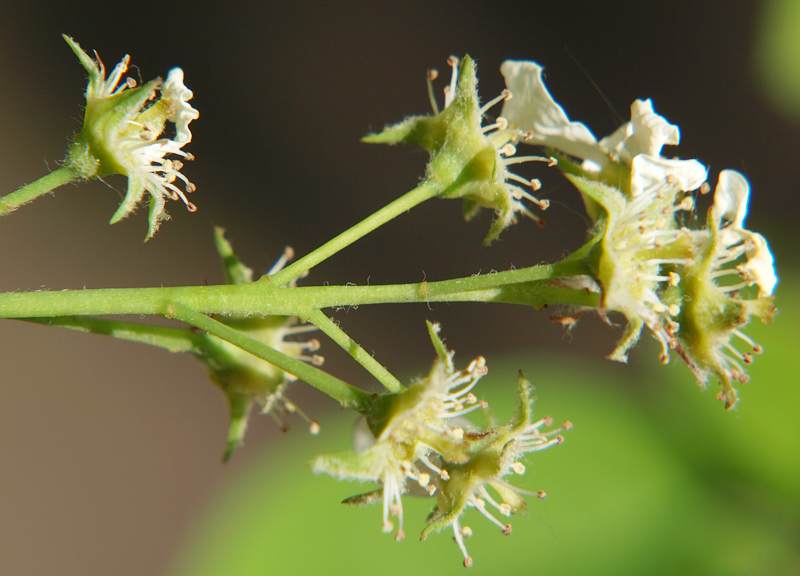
{"points": [[332, 330], [404, 203], [534, 286], [348, 396], [170, 339], [29, 192]]}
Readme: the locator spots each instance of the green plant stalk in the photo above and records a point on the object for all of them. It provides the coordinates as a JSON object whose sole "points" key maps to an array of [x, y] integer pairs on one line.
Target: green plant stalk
{"points": [[30, 192], [404, 203], [170, 339], [532, 286], [340, 337], [348, 396]]}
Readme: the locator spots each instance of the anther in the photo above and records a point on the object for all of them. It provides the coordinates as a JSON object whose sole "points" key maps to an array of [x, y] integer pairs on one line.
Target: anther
{"points": [[552, 162], [423, 479], [674, 278], [507, 530], [191, 207], [567, 425], [401, 535], [312, 345], [314, 427], [502, 123], [468, 562], [541, 494], [536, 184], [466, 531], [705, 188], [433, 74], [508, 150], [505, 509], [317, 360], [518, 467], [130, 82]]}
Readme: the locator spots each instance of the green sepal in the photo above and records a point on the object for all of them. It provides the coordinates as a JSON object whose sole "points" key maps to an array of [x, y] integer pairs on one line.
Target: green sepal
{"points": [[88, 63], [352, 465], [156, 214], [364, 499], [236, 272], [133, 196], [240, 406]]}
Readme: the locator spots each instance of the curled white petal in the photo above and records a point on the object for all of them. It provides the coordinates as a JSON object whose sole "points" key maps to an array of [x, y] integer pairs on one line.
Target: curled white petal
{"points": [[646, 133], [177, 95], [731, 197], [532, 109], [760, 264]]}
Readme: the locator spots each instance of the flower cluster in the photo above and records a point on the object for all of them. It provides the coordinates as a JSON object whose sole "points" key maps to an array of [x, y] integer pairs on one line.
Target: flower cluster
{"points": [[419, 441], [690, 287], [246, 379], [124, 133]]}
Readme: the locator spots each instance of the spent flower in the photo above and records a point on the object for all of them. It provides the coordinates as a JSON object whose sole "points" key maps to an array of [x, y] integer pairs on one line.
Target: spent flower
{"points": [[731, 280], [418, 441], [479, 483], [471, 159], [247, 380]]}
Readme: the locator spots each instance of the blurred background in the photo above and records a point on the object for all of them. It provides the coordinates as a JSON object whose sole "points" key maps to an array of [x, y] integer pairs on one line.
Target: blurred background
{"points": [[111, 451]]}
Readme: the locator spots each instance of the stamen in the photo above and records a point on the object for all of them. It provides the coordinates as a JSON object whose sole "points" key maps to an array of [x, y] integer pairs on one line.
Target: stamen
{"points": [[450, 91], [741, 335], [504, 96], [288, 254], [458, 535], [550, 161], [432, 75]]}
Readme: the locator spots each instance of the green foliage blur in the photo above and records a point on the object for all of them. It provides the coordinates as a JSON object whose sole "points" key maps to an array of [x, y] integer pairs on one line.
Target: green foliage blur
{"points": [[654, 479]]}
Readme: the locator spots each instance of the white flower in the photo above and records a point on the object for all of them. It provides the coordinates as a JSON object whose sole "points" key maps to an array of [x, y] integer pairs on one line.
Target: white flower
{"points": [[534, 111], [123, 133]]}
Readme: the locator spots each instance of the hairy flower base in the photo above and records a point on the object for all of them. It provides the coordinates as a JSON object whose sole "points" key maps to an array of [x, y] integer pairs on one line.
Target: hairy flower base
{"points": [[418, 440]]}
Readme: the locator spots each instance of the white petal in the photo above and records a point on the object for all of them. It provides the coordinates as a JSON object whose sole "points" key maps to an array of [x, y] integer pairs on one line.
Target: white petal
{"points": [[760, 265], [651, 173], [730, 198], [178, 95], [532, 109], [646, 133]]}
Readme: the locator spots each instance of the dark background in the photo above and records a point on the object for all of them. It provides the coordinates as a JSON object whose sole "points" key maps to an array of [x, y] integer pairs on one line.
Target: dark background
{"points": [[110, 450]]}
